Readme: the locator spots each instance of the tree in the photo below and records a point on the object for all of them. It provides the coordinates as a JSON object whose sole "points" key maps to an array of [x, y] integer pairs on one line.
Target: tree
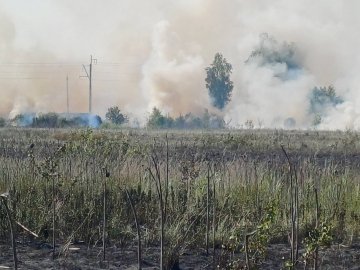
{"points": [[115, 116], [322, 98], [218, 81], [158, 120], [270, 52]]}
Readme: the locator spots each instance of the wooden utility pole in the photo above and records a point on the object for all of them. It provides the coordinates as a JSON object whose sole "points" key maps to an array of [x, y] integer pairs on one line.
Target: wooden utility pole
{"points": [[90, 80], [89, 76], [67, 94]]}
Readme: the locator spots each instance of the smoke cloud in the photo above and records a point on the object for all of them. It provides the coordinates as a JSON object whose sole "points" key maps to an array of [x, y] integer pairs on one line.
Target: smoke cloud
{"points": [[154, 53]]}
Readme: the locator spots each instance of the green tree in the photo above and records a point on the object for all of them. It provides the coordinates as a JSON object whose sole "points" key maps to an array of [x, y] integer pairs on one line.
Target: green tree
{"points": [[271, 52], [115, 116], [218, 81], [180, 122], [322, 98], [158, 120]]}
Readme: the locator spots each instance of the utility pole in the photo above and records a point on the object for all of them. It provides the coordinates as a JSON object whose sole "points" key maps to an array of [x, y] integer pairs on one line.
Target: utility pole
{"points": [[89, 76], [67, 94]]}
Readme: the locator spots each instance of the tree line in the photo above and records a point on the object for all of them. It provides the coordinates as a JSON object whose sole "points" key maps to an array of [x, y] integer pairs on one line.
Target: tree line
{"points": [[220, 87]]}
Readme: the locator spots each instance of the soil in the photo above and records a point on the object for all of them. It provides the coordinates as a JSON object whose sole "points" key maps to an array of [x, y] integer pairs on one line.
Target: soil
{"points": [[80, 256]]}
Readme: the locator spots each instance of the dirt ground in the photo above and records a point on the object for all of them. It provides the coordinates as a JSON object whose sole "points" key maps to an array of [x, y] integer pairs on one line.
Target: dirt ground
{"points": [[39, 256]]}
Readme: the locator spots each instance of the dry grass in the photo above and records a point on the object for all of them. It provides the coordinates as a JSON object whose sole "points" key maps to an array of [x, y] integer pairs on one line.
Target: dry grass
{"points": [[248, 172]]}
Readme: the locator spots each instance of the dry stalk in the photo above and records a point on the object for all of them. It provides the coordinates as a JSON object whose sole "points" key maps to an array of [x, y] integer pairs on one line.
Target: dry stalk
{"points": [[107, 175], [207, 210], [12, 232], [158, 184], [294, 202], [317, 217], [53, 216], [247, 236], [214, 221], [137, 227]]}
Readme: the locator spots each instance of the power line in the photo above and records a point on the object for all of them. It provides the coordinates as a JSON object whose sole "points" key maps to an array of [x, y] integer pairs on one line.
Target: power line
{"points": [[117, 63], [112, 80], [25, 78], [64, 63], [39, 63]]}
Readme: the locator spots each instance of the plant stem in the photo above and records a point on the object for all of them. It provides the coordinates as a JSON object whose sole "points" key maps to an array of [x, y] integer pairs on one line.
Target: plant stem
{"points": [[294, 201], [12, 233], [207, 211], [316, 255], [104, 217], [53, 217], [214, 223], [137, 227]]}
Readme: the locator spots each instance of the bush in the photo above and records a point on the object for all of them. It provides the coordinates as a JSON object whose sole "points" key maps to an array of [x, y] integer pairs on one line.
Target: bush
{"points": [[49, 120], [188, 121], [22, 120], [115, 116], [2, 122], [157, 120]]}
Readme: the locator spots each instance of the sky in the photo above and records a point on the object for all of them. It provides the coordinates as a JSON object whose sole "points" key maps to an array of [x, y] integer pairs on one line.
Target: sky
{"points": [[154, 53]]}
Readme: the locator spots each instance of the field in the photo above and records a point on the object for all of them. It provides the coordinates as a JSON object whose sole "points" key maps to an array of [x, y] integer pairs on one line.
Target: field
{"points": [[258, 199]]}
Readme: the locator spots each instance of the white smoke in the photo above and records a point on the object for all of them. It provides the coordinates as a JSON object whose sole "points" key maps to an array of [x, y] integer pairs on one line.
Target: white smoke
{"points": [[171, 75], [159, 50]]}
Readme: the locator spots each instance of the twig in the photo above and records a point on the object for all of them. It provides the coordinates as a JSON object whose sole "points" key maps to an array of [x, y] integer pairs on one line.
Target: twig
{"points": [[26, 229], [247, 236]]}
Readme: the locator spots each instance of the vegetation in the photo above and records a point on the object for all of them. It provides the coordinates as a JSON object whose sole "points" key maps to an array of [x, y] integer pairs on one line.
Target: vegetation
{"points": [[54, 120], [270, 52], [2, 122], [158, 120], [218, 81], [76, 186], [49, 120], [115, 116], [323, 97], [189, 121], [321, 100]]}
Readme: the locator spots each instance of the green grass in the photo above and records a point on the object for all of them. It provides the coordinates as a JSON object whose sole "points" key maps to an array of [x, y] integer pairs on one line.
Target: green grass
{"points": [[248, 170]]}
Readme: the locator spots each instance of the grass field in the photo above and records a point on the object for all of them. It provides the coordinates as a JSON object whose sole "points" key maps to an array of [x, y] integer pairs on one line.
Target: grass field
{"points": [[231, 197]]}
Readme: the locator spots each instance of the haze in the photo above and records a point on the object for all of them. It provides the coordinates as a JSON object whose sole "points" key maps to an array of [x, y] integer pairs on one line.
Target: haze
{"points": [[154, 53]]}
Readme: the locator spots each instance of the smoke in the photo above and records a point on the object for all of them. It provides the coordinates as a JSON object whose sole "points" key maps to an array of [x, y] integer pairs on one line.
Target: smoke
{"points": [[154, 53], [164, 84], [275, 86]]}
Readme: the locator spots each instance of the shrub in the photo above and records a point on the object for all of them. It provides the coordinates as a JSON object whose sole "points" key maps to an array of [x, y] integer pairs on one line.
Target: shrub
{"points": [[2, 122], [115, 116]]}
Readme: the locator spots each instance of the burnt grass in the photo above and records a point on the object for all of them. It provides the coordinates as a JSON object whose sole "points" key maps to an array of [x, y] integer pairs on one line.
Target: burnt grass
{"points": [[34, 255], [321, 148], [338, 151]]}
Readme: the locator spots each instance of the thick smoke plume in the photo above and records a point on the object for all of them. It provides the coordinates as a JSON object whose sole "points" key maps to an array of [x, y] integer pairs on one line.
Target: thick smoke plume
{"points": [[154, 53]]}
